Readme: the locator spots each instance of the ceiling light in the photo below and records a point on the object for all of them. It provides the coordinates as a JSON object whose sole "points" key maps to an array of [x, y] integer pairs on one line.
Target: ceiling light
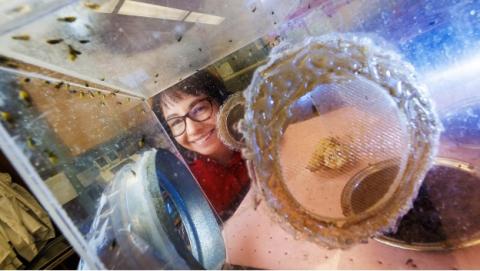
{"points": [[197, 17], [134, 8]]}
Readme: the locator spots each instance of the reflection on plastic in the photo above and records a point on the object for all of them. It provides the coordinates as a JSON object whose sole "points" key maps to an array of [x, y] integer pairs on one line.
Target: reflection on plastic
{"points": [[127, 233], [134, 230]]}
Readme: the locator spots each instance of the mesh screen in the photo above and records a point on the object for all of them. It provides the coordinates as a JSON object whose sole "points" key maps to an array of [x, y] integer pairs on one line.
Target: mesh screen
{"points": [[352, 125]]}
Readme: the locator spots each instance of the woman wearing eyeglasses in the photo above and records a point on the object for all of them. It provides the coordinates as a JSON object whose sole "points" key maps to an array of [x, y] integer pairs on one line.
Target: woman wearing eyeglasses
{"points": [[189, 109]]}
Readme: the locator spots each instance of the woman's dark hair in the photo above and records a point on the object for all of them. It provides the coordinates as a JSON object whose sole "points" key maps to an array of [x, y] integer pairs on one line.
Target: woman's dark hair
{"points": [[201, 83]]}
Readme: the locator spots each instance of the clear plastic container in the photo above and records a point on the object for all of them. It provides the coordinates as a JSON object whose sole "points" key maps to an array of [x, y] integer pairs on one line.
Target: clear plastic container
{"points": [[76, 77]]}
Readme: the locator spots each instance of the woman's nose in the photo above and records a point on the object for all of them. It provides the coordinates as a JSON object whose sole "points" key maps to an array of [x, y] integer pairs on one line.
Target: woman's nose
{"points": [[193, 127]]}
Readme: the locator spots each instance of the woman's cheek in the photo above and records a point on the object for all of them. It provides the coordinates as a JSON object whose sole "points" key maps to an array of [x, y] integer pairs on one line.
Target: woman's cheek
{"points": [[183, 142]]}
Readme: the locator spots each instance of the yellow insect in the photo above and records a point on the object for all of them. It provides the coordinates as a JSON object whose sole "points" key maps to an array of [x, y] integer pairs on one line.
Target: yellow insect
{"points": [[54, 41], [21, 37], [73, 53], [31, 143], [24, 96], [51, 157], [20, 8], [6, 116], [68, 19], [59, 85], [91, 5], [141, 142]]}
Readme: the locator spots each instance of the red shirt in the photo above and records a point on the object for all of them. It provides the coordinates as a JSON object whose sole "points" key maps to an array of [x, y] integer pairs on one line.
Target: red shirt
{"points": [[224, 185]]}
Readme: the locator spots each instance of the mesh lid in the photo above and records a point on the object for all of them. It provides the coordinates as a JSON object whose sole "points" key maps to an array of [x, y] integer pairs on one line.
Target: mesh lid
{"points": [[316, 115]]}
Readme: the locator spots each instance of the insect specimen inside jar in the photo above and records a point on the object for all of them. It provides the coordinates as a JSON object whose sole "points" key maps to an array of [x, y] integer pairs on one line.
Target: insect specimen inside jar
{"points": [[329, 153]]}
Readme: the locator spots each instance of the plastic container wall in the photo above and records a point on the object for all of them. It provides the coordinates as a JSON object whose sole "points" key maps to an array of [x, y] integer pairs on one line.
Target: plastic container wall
{"points": [[68, 139]]}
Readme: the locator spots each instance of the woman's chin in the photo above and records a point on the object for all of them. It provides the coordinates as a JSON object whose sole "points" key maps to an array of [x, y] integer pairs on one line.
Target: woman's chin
{"points": [[216, 147]]}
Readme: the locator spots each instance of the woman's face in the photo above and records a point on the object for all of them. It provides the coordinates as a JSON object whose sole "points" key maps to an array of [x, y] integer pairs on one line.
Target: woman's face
{"points": [[200, 137]]}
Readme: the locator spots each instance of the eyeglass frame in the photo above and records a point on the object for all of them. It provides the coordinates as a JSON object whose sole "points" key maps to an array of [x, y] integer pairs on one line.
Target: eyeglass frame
{"points": [[184, 117]]}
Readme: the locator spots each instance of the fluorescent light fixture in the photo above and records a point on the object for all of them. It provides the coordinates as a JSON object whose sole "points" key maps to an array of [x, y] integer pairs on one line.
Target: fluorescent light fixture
{"points": [[134, 8], [197, 17]]}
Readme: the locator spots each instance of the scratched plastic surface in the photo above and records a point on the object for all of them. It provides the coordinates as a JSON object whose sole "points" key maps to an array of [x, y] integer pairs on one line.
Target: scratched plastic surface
{"points": [[68, 139]]}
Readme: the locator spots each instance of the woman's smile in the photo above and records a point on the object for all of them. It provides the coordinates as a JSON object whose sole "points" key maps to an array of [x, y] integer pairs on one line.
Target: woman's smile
{"points": [[205, 138]]}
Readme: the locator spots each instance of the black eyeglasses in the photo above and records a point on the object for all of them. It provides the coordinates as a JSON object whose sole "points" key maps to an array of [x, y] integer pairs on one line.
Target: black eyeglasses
{"points": [[201, 111]]}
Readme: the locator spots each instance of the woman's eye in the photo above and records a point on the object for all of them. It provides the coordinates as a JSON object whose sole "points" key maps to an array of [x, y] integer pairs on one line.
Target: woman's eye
{"points": [[199, 109], [175, 123]]}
